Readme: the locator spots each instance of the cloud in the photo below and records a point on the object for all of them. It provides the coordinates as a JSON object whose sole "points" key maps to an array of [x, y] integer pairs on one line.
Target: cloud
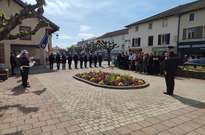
{"points": [[84, 28], [86, 35]]}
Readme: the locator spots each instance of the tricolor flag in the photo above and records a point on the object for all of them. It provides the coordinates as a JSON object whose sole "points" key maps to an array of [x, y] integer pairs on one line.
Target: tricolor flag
{"points": [[44, 42]]}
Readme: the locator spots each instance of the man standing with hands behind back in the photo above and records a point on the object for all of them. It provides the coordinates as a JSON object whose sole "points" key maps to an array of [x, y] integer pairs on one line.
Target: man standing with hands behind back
{"points": [[170, 69]]}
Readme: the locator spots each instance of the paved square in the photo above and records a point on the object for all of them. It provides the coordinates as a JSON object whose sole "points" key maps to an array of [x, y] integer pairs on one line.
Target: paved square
{"points": [[58, 104]]}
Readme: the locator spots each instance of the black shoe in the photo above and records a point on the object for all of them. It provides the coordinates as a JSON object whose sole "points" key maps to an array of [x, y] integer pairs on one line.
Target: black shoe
{"points": [[165, 93]]}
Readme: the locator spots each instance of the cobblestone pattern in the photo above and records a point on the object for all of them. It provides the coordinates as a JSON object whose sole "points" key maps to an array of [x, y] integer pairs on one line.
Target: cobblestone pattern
{"points": [[100, 109]]}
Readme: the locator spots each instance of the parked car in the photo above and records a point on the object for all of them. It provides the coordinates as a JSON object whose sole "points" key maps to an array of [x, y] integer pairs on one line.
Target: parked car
{"points": [[196, 62]]}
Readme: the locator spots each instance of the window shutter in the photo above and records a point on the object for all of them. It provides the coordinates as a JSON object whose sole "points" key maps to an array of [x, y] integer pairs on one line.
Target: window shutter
{"points": [[167, 39], [159, 39], [139, 41], [184, 34]]}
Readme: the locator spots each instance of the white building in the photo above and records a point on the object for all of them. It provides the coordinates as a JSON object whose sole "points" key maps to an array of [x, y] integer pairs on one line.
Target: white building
{"points": [[192, 30], [158, 32], [119, 37]]}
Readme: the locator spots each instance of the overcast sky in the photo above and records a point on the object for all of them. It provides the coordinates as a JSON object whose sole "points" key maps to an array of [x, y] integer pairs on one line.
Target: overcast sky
{"points": [[82, 19]]}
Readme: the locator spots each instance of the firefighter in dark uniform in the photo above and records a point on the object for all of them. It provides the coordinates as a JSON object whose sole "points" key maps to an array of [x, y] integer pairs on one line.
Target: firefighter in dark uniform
{"points": [[100, 60], [85, 59], [170, 68], [64, 61], [24, 67], [75, 58], [95, 60], [81, 60], [69, 61], [51, 61], [58, 60], [90, 60]]}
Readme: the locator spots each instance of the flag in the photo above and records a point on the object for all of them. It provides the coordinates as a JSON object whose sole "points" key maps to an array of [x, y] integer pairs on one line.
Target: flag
{"points": [[44, 42]]}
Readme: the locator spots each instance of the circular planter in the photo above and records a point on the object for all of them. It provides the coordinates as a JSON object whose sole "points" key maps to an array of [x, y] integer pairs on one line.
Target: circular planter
{"points": [[111, 87]]}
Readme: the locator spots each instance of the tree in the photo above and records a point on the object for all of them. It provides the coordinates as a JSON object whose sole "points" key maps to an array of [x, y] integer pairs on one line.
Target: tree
{"points": [[91, 47], [75, 49], [108, 46], [7, 24]]}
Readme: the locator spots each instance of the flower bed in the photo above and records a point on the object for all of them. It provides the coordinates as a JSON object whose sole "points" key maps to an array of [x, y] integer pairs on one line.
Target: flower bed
{"points": [[111, 80]]}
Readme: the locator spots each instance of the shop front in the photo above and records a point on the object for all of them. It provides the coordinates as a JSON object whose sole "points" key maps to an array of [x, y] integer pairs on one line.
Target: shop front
{"points": [[195, 49], [161, 50]]}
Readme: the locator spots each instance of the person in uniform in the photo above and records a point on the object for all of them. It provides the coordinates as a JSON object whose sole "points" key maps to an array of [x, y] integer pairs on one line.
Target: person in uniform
{"points": [[170, 69], [58, 60], [90, 60], [64, 61], [69, 61], [24, 67], [51, 61], [75, 58], [100, 60], [13, 63], [85, 59], [81, 61], [95, 60]]}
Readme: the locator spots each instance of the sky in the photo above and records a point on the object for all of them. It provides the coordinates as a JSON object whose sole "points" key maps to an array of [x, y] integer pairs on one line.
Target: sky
{"points": [[82, 19]]}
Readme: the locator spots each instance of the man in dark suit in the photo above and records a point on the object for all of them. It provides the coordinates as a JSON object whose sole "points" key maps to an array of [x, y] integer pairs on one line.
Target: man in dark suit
{"points": [[51, 61], [58, 60], [81, 60], [85, 59], [170, 69], [100, 60], [95, 60], [64, 61], [75, 58], [90, 60], [69, 61]]}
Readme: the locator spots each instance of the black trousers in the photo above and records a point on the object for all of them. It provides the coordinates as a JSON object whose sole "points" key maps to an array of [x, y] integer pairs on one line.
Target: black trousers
{"points": [[90, 64], [12, 70], [85, 64], [76, 64], [51, 65], [63, 66], [69, 65], [170, 83], [95, 63], [81, 64], [100, 63], [24, 75], [58, 66]]}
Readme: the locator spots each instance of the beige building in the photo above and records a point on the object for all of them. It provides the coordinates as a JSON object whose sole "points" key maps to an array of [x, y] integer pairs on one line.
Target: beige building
{"points": [[30, 43]]}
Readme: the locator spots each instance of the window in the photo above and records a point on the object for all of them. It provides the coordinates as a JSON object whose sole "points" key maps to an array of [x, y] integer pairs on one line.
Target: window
{"points": [[25, 29], [136, 28], [2, 54], [136, 42], [191, 17], [150, 40], [150, 26], [193, 33], [164, 39], [164, 23]]}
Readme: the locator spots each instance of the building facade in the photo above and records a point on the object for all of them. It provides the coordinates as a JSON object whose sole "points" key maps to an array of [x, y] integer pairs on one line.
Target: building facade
{"points": [[30, 43], [154, 36], [178, 28], [192, 33]]}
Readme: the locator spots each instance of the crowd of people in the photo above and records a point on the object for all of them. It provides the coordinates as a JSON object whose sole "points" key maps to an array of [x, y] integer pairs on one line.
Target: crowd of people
{"points": [[82, 60], [152, 64], [142, 62]]}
